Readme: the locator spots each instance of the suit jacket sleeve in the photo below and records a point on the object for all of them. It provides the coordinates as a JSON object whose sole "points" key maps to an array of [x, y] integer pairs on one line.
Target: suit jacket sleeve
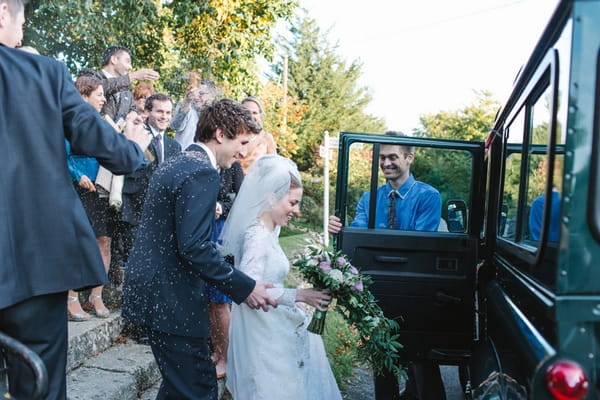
{"points": [[194, 216], [110, 85], [91, 136]]}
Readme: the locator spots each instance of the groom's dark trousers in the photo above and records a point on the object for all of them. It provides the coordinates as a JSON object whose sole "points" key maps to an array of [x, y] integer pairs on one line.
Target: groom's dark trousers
{"points": [[172, 259], [47, 245], [182, 359]]}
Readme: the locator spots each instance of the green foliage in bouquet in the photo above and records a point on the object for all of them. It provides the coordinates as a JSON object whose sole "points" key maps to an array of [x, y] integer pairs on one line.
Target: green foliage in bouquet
{"points": [[331, 270]]}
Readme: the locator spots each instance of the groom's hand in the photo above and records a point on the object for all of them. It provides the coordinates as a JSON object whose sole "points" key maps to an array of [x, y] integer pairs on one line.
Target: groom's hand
{"points": [[259, 298]]}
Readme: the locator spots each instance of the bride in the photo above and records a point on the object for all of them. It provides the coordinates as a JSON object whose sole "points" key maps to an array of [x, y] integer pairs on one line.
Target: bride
{"points": [[271, 354]]}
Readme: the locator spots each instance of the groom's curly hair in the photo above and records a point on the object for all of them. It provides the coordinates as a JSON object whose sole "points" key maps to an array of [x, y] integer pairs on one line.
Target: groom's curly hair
{"points": [[229, 116]]}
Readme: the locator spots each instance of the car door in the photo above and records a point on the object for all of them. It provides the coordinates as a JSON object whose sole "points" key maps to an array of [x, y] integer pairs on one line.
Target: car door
{"points": [[424, 280]]}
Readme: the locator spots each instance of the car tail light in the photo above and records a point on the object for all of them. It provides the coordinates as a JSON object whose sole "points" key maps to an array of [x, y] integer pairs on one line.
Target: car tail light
{"points": [[566, 381]]}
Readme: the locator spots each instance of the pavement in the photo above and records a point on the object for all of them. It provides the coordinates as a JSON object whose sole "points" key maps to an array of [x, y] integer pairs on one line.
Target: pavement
{"points": [[102, 364]]}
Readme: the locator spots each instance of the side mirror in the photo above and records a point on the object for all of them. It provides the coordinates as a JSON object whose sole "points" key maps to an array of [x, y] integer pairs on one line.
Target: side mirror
{"points": [[457, 216]]}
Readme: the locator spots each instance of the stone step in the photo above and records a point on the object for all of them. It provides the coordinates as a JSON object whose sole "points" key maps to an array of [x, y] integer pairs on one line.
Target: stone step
{"points": [[103, 365], [88, 338], [122, 372]]}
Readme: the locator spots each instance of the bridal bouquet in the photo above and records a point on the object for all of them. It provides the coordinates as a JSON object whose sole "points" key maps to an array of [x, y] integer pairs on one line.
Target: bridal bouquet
{"points": [[331, 270]]}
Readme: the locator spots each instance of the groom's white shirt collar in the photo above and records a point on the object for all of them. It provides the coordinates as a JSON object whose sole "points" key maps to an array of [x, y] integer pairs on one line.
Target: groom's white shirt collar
{"points": [[211, 155]]}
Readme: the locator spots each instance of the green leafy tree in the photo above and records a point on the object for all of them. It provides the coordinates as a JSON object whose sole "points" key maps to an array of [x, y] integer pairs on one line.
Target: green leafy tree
{"points": [[327, 87], [450, 171], [78, 32], [472, 122], [222, 37]]}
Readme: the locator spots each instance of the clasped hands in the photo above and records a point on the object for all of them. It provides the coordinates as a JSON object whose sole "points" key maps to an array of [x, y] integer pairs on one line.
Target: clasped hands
{"points": [[319, 299], [259, 298]]}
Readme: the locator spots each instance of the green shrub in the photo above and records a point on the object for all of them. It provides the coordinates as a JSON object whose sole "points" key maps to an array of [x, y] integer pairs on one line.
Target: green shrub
{"points": [[341, 346]]}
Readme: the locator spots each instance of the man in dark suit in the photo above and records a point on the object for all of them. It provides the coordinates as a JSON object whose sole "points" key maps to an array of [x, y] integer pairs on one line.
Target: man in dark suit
{"points": [[159, 109], [47, 245], [173, 257]]}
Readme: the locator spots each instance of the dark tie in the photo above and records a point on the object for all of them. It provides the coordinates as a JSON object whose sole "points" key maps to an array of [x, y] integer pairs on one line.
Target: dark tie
{"points": [[158, 145], [392, 223]]}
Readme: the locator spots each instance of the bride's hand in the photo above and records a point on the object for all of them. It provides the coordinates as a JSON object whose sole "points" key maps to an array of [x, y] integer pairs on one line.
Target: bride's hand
{"points": [[316, 298], [259, 298]]}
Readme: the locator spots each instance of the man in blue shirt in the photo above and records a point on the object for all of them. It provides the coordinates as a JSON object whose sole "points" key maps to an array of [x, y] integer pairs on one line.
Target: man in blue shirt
{"points": [[417, 206], [536, 215], [407, 204]]}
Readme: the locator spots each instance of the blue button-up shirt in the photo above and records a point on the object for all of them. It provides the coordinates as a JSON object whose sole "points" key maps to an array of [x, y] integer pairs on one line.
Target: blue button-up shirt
{"points": [[536, 214], [418, 207]]}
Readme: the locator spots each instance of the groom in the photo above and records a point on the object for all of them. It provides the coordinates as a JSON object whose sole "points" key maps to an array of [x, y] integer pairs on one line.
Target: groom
{"points": [[173, 255]]}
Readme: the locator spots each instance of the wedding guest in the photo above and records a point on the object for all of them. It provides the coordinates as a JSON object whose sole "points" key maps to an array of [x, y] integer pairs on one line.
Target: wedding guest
{"points": [[264, 143], [47, 245], [416, 206], [83, 172], [117, 76], [141, 92], [159, 109], [536, 216], [272, 355], [219, 303], [198, 95], [174, 257]]}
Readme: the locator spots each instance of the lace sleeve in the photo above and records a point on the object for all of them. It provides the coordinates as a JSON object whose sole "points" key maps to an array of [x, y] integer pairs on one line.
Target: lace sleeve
{"points": [[254, 259]]}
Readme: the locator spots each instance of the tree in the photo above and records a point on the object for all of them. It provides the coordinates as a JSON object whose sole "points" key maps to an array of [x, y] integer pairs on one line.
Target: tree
{"points": [[219, 37], [472, 122], [78, 32], [326, 87], [223, 37], [450, 171]]}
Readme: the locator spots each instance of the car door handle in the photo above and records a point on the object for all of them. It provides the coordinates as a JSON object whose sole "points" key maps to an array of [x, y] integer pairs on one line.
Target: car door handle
{"points": [[391, 260], [446, 298]]}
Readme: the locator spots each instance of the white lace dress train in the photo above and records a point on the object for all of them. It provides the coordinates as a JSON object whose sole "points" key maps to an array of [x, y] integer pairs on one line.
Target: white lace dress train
{"points": [[271, 354]]}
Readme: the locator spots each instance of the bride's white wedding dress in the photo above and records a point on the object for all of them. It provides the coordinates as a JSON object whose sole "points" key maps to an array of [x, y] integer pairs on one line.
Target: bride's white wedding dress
{"points": [[271, 354]]}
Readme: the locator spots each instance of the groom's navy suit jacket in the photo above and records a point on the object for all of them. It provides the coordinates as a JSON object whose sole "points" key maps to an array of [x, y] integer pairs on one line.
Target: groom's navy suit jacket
{"points": [[173, 255], [46, 242]]}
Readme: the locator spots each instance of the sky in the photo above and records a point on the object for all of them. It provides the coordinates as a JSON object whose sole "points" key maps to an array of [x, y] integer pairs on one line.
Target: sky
{"points": [[425, 56]]}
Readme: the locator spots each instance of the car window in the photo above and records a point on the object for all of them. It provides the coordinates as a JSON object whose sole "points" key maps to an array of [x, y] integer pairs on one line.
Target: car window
{"points": [[447, 172]]}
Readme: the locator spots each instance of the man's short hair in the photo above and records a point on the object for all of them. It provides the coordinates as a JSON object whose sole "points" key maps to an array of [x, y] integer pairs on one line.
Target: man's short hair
{"points": [[409, 149], [113, 51], [155, 97], [229, 116], [255, 101], [210, 85]]}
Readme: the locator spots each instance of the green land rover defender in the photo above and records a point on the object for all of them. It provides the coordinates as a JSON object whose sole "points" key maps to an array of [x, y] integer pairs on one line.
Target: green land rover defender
{"points": [[508, 286]]}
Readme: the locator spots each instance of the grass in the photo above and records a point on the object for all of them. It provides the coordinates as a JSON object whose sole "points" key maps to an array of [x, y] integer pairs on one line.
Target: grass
{"points": [[340, 341]]}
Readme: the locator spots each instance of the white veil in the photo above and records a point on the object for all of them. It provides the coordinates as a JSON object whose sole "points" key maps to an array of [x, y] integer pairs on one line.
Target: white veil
{"points": [[268, 180]]}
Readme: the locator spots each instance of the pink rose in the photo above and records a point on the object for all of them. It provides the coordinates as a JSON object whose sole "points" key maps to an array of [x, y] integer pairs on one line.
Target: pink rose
{"points": [[341, 261], [325, 266], [354, 270], [359, 286]]}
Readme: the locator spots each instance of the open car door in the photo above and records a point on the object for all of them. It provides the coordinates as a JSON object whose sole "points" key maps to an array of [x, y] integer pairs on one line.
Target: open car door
{"points": [[424, 280]]}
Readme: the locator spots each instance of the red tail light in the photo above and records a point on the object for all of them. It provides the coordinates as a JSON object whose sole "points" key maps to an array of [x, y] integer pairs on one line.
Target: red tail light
{"points": [[566, 381]]}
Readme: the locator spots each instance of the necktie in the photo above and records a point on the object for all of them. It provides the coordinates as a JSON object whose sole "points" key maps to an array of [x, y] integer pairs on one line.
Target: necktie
{"points": [[158, 145], [392, 223]]}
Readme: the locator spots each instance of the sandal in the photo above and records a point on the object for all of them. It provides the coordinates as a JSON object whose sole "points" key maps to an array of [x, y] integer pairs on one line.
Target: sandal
{"points": [[78, 316], [102, 312]]}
